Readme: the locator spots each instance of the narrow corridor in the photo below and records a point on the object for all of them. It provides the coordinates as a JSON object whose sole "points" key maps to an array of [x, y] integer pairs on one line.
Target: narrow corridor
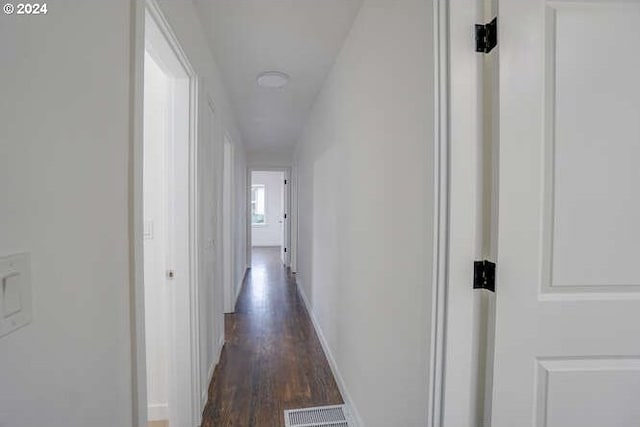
{"points": [[272, 359]]}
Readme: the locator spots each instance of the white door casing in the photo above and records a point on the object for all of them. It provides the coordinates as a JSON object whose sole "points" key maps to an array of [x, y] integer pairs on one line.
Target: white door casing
{"points": [[568, 283], [227, 230]]}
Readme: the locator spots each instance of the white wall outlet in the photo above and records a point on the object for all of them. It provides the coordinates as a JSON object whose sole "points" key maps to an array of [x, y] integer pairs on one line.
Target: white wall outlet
{"points": [[15, 292]]}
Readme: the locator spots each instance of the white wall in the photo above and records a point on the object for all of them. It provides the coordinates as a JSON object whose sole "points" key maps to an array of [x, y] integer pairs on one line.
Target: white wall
{"points": [[269, 234], [366, 201], [64, 191], [65, 144], [270, 158]]}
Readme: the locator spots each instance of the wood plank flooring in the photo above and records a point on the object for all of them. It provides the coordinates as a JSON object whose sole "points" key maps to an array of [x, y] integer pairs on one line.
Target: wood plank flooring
{"points": [[272, 359]]}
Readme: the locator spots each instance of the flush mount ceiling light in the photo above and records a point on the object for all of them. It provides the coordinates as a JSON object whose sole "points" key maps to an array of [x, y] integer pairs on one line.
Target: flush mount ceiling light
{"points": [[272, 79]]}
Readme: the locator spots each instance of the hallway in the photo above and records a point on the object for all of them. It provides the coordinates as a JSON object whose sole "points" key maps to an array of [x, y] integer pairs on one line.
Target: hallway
{"points": [[272, 359], [139, 295]]}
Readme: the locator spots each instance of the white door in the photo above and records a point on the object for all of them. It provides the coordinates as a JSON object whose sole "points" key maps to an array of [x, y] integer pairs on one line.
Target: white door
{"points": [[285, 249], [568, 280]]}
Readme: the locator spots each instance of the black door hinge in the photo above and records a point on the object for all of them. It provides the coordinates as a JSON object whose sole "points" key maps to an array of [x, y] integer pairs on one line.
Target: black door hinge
{"points": [[484, 275], [285, 216], [285, 182], [285, 249], [487, 36]]}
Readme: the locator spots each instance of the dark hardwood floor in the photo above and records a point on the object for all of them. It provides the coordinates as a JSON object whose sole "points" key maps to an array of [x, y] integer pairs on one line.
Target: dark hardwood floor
{"points": [[272, 359]]}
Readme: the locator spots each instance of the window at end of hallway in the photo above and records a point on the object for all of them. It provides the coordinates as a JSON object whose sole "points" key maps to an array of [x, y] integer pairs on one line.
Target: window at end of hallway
{"points": [[258, 205]]}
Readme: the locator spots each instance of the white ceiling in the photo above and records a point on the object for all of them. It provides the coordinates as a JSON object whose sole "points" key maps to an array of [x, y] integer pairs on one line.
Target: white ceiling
{"points": [[299, 37]]}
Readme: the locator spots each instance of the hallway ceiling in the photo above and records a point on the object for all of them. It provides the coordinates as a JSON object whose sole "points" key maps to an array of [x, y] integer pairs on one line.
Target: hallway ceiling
{"points": [[298, 37]]}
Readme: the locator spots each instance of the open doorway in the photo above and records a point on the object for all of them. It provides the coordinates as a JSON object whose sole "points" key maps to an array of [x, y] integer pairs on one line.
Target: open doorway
{"points": [[170, 289], [269, 201]]}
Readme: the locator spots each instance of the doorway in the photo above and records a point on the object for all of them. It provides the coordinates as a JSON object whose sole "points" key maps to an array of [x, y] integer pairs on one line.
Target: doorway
{"points": [[268, 212], [168, 232]]}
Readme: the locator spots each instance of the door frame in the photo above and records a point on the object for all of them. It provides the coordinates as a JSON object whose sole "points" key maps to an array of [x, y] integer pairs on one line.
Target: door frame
{"points": [[228, 215], [289, 203], [455, 397], [140, 8], [441, 212]]}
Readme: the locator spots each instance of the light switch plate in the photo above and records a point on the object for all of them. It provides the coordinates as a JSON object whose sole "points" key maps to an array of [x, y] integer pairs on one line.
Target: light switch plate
{"points": [[11, 298], [15, 292]]}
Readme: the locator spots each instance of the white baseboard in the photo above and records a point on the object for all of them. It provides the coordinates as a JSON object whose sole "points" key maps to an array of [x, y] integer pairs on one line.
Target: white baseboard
{"points": [[332, 362], [158, 412], [204, 397], [239, 285], [205, 389], [218, 353]]}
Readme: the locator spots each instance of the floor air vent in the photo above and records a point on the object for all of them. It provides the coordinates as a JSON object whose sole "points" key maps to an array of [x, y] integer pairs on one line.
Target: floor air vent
{"points": [[321, 416]]}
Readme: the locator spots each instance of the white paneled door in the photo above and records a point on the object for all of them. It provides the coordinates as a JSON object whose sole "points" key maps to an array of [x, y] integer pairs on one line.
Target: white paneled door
{"points": [[285, 247], [568, 300]]}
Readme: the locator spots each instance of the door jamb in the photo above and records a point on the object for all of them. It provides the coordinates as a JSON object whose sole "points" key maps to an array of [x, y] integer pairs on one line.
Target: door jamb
{"points": [[228, 215], [453, 395], [139, 9], [441, 213]]}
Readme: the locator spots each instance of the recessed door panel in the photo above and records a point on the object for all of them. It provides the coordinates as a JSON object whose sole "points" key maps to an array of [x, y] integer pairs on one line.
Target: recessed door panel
{"points": [[593, 147], [568, 290], [592, 392]]}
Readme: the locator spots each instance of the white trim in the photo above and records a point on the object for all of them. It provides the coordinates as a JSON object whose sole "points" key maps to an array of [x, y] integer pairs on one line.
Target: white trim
{"points": [[158, 412], [229, 216], [357, 420], [140, 408], [194, 244], [204, 397], [293, 233], [247, 218], [239, 286], [441, 217], [136, 222], [218, 353]]}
